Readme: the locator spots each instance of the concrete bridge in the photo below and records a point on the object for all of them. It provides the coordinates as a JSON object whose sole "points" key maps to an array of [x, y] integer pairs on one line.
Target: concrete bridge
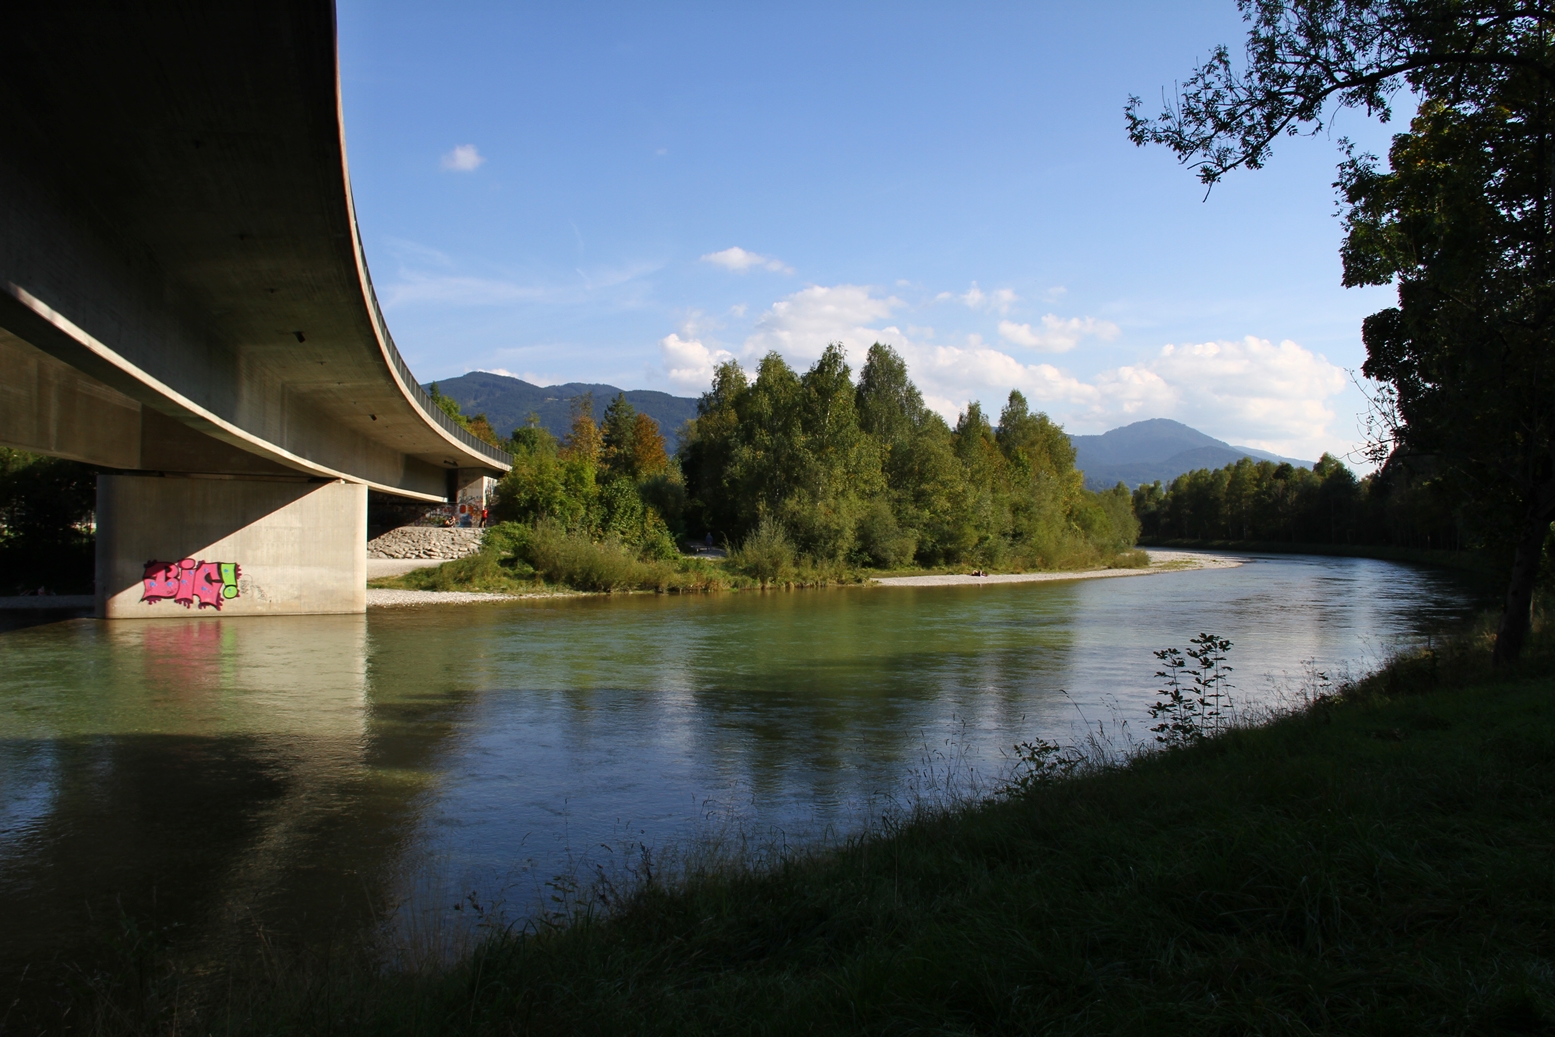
{"points": [[184, 299]]}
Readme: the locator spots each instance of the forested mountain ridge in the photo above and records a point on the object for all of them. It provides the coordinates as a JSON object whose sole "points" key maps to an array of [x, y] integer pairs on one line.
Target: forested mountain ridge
{"points": [[507, 403], [1157, 450], [1136, 454]]}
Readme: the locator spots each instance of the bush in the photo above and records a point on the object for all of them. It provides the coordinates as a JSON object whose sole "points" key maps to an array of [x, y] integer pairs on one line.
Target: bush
{"points": [[486, 572], [882, 542], [578, 562], [766, 555]]}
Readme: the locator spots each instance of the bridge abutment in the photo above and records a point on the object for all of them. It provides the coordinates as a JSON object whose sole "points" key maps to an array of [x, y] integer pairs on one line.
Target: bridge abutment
{"points": [[221, 546]]}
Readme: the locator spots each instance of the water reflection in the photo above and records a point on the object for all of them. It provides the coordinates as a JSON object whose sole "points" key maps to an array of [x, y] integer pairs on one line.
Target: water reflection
{"points": [[291, 772], [197, 774]]}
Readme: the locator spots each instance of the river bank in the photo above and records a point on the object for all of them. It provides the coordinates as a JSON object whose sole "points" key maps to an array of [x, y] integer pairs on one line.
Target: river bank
{"points": [[1476, 562], [410, 583], [1376, 861], [1160, 562]]}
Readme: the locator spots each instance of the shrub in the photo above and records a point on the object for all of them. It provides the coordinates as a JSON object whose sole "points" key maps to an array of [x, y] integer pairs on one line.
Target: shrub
{"points": [[766, 555], [882, 542]]}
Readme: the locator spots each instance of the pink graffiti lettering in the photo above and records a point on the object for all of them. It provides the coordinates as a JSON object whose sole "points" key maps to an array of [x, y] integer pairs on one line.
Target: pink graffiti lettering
{"points": [[189, 582]]}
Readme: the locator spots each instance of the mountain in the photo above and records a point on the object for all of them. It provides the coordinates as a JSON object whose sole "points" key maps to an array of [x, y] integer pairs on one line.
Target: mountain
{"points": [[1139, 453], [507, 403], [1156, 449]]}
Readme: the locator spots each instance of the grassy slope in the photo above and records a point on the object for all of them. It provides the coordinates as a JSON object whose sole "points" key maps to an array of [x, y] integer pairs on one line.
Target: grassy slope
{"points": [[1383, 864]]}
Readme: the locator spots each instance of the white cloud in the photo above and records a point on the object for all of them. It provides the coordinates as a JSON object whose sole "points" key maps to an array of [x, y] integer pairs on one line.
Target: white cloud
{"points": [[689, 363], [504, 372], [1056, 334], [738, 259], [997, 301], [1250, 392], [802, 325], [463, 159], [1253, 392]]}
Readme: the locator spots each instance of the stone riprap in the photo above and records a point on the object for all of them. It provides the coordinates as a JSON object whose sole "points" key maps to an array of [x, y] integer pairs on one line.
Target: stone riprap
{"points": [[425, 542]]}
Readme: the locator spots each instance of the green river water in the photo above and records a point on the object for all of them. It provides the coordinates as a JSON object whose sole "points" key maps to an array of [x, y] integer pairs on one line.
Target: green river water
{"points": [[211, 779]]}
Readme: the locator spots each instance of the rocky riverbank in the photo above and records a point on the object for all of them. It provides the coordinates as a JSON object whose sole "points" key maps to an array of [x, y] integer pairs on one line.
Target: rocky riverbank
{"points": [[425, 542]]}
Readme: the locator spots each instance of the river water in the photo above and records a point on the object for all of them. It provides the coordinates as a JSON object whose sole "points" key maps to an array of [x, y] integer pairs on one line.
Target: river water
{"points": [[210, 779]]}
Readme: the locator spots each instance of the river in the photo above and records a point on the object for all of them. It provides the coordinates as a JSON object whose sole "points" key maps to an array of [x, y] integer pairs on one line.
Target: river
{"points": [[209, 779]]}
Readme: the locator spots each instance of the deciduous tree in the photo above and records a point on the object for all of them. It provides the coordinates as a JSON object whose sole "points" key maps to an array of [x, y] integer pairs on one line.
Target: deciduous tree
{"points": [[1461, 222]]}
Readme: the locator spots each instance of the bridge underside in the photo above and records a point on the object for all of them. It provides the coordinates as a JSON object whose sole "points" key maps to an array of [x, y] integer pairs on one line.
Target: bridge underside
{"points": [[183, 294]]}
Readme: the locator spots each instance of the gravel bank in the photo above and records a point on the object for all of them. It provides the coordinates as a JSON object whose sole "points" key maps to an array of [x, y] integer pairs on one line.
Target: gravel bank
{"points": [[425, 542], [1160, 562], [378, 597]]}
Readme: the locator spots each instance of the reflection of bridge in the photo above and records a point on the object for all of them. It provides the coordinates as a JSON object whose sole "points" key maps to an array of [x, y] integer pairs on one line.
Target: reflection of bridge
{"points": [[183, 294]]}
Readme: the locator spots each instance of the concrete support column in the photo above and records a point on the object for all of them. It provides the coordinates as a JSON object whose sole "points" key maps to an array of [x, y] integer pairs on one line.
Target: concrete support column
{"points": [[229, 547], [472, 494]]}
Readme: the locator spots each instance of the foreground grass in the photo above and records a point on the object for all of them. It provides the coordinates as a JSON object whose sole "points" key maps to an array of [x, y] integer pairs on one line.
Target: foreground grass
{"points": [[1383, 863]]}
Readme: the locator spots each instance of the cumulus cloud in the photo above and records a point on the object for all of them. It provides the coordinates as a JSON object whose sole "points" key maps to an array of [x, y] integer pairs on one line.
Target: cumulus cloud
{"points": [[463, 159], [1057, 335], [1273, 397], [801, 325], [1251, 391], [997, 301], [739, 260], [689, 363]]}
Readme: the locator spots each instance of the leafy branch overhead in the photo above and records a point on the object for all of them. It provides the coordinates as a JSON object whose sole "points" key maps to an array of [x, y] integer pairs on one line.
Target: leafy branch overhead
{"points": [[1307, 60], [1462, 222]]}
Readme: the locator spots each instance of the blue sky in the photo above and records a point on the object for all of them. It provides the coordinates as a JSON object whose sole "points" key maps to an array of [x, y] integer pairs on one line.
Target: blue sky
{"points": [[631, 193]]}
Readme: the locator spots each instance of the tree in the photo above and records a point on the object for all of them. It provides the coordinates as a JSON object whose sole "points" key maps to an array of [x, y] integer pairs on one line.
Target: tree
{"points": [[584, 442], [618, 433], [649, 457], [46, 523], [1461, 222], [889, 405]]}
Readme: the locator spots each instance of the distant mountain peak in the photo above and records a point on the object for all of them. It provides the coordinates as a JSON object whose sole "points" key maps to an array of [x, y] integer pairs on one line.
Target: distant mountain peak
{"points": [[507, 402], [1156, 448]]}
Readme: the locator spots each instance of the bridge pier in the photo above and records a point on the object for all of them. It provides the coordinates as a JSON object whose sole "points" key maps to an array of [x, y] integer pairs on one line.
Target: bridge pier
{"points": [[226, 546]]}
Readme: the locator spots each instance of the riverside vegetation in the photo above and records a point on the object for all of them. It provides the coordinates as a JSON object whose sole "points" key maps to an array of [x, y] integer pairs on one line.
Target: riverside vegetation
{"points": [[807, 479], [1375, 860]]}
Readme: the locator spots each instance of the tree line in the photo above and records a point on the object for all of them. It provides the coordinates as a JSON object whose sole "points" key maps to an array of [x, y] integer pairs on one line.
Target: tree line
{"points": [[47, 536], [1460, 220], [1400, 505], [826, 469], [865, 472], [609, 480]]}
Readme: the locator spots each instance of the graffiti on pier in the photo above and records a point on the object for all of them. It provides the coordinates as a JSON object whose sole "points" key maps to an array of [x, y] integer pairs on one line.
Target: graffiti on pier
{"points": [[189, 582]]}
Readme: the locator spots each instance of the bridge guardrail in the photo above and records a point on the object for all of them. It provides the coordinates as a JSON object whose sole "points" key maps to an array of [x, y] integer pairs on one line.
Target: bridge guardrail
{"points": [[423, 398]]}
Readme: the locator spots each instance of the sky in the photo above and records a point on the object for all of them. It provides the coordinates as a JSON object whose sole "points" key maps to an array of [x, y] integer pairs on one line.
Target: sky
{"points": [[634, 193]]}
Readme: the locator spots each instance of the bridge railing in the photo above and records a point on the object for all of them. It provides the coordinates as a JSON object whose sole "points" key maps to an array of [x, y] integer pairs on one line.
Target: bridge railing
{"points": [[424, 399]]}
